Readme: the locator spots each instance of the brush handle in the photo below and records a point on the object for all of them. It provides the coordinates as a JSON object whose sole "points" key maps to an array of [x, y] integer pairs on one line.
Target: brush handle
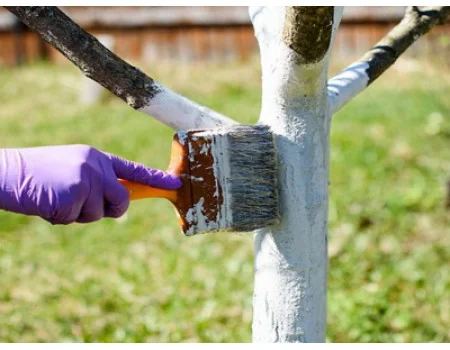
{"points": [[139, 191], [177, 166]]}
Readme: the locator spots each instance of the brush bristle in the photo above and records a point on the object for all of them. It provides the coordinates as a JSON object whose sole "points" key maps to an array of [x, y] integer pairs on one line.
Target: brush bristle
{"points": [[233, 184], [251, 187]]}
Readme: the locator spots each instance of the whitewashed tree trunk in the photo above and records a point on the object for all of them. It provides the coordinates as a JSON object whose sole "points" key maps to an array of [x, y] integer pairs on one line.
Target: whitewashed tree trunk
{"points": [[291, 259]]}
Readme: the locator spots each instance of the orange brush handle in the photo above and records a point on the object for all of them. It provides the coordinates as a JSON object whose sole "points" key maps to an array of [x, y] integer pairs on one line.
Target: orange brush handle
{"points": [[177, 162], [139, 191]]}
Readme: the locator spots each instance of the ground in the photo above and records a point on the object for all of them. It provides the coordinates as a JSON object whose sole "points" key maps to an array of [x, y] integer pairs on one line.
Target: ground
{"points": [[140, 279]]}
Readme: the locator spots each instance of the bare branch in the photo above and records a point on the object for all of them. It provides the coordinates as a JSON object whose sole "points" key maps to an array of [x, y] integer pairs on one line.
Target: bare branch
{"points": [[125, 81], [355, 78]]}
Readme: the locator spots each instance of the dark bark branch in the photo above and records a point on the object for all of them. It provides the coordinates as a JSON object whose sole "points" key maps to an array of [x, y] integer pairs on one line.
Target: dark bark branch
{"points": [[414, 24], [125, 81], [308, 30], [88, 54], [356, 77]]}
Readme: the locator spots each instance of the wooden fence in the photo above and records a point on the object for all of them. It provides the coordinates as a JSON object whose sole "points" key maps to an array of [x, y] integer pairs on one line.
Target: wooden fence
{"points": [[151, 34]]}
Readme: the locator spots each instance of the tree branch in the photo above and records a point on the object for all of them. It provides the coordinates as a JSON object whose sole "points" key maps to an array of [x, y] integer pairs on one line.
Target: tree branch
{"points": [[125, 81], [355, 78]]}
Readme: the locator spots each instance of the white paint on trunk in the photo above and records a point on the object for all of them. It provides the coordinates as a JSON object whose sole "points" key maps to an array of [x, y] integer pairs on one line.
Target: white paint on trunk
{"points": [[180, 113], [291, 259], [337, 16], [346, 85], [266, 23]]}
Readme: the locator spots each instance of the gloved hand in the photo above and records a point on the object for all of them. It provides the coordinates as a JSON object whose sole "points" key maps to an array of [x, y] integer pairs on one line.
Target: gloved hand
{"points": [[75, 183]]}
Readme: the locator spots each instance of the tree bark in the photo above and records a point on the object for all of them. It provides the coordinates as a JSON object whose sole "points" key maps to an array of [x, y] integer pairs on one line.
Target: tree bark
{"points": [[356, 77], [291, 258], [125, 81]]}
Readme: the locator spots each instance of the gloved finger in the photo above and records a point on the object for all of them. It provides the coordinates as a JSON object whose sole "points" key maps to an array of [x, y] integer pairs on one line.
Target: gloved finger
{"points": [[64, 219], [61, 221], [117, 199], [93, 208], [139, 173], [68, 210]]}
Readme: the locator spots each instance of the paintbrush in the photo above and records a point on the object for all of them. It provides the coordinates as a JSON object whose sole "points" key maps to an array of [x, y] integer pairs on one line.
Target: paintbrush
{"points": [[229, 179]]}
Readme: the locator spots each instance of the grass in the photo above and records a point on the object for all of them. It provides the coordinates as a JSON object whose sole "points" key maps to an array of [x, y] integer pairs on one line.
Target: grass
{"points": [[138, 279]]}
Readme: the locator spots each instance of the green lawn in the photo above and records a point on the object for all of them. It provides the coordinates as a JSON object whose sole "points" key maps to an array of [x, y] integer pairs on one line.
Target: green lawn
{"points": [[140, 279]]}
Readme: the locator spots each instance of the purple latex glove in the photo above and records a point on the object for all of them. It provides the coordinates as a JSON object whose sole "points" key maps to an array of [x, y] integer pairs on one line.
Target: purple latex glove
{"points": [[76, 183]]}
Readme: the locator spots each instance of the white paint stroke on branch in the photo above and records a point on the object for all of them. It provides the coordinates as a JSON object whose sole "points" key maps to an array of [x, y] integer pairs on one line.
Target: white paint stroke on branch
{"points": [[179, 112], [355, 78], [347, 84], [127, 82]]}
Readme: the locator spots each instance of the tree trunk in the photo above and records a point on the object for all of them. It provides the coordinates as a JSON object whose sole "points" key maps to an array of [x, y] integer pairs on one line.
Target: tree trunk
{"points": [[291, 259]]}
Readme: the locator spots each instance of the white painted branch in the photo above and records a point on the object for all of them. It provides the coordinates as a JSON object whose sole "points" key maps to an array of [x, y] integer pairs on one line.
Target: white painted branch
{"points": [[291, 259], [98, 63], [346, 85], [180, 113], [355, 78]]}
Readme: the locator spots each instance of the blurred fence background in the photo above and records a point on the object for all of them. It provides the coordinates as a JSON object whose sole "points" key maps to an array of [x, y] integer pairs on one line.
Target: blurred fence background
{"points": [[149, 34]]}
